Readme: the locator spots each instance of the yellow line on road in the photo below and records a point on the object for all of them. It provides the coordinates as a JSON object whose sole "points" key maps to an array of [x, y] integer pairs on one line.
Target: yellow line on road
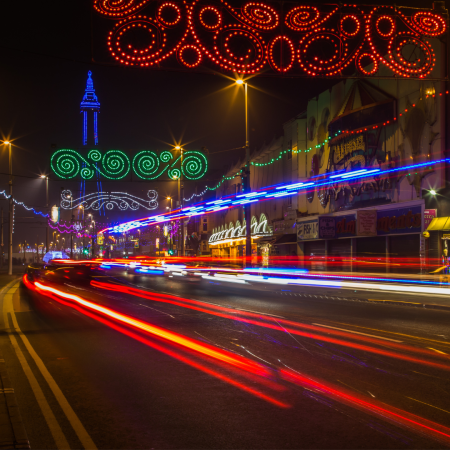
{"points": [[78, 427], [53, 425], [357, 332], [392, 332], [440, 409], [438, 351], [394, 301]]}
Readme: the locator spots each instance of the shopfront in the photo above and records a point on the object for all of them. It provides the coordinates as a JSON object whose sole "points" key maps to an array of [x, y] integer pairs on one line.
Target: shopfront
{"points": [[383, 238]]}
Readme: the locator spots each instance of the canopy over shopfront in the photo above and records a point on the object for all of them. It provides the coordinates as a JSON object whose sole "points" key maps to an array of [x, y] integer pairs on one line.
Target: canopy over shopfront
{"points": [[439, 224]]}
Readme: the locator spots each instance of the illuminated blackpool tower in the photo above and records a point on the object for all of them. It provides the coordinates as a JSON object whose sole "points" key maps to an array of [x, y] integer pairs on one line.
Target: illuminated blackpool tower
{"points": [[90, 107]]}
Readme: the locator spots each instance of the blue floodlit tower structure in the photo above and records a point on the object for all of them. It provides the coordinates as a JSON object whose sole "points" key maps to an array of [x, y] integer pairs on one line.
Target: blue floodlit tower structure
{"points": [[90, 107]]}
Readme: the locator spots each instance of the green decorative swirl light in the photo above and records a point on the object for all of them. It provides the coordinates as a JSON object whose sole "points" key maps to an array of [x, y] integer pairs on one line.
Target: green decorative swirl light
{"points": [[95, 155], [67, 163], [116, 165], [194, 165], [146, 165], [174, 173]]}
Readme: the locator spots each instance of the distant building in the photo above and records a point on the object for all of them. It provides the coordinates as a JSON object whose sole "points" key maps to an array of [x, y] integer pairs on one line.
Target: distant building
{"points": [[90, 108]]}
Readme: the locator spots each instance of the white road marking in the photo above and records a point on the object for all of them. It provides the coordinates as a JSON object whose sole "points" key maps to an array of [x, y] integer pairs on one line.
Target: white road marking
{"points": [[357, 332]]}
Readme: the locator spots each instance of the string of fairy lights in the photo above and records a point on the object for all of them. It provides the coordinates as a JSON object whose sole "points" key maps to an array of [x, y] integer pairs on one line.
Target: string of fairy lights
{"points": [[28, 208], [430, 94]]}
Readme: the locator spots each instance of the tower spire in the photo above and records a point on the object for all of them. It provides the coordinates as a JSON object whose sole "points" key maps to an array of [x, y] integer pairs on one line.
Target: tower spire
{"points": [[89, 104]]}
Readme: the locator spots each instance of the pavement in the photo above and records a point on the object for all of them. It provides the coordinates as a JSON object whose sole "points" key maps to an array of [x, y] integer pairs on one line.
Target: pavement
{"points": [[82, 380]]}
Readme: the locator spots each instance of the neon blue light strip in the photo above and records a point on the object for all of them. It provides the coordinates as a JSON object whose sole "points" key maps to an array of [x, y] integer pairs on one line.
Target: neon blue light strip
{"points": [[265, 194], [95, 128], [84, 127]]}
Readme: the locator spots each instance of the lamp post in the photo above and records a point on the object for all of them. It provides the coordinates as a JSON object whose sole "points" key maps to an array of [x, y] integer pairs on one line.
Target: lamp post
{"points": [[246, 181], [47, 232], [180, 200], [171, 205], [11, 210], [71, 230]]}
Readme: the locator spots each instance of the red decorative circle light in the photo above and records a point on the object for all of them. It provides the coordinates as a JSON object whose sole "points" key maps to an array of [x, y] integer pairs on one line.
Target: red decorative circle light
{"points": [[210, 17], [169, 14], [190, 56], [312, 41]]}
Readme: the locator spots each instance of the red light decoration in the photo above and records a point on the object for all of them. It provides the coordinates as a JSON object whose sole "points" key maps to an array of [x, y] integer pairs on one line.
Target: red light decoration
{"points": [[213, 18], [385, 26], [118, 8], [324, 41], [279, 40], [259, 15], [363, 60], [350, 25], [191, 49], [305, 18], [169, 9]]}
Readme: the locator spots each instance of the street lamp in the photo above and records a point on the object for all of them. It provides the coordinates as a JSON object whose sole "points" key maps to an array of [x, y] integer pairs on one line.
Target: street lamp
{"points": [[11, 212], [71, 231], [246, 177], [48, 211], [180, 199]]}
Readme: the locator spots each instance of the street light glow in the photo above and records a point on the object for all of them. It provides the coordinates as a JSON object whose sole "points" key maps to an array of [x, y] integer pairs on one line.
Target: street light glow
{"points": [[240, 81], [7, 142], [177, 147], [432, 192], [43, 176]]}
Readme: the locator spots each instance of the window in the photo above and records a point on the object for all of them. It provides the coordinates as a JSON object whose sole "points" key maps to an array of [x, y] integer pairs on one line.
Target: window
{"points": [[205, 227], [289, 201]]}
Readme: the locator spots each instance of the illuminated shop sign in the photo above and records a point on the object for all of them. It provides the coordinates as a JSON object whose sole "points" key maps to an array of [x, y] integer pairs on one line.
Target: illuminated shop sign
{"points": [[404, 220], [363, 223]]}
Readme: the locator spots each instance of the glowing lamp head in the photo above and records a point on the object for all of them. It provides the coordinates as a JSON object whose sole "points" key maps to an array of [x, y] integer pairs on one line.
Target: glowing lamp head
{"points": [[177, 147], [7, 142], [43, 176], [240, 81], [433, 192]]}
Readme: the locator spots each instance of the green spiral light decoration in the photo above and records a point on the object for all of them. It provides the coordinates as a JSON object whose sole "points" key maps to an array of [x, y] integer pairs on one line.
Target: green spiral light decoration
{"points": [[66, 163], [174, 173], [146, 165], [116, 165], [194, 165], [95, 155]]}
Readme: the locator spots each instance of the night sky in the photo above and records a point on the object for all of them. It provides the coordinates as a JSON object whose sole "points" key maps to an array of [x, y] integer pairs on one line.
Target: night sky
{"points": [[46, 53]]}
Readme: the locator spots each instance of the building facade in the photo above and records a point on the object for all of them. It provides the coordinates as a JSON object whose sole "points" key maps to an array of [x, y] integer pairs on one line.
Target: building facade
{"points": [[367, 124]]}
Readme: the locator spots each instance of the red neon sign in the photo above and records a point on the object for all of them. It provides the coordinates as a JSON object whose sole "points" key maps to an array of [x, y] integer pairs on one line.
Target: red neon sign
{"points": [[304, 40]]}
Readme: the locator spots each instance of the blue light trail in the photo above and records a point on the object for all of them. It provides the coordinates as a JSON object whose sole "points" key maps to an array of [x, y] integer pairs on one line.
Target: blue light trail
{"points": [[265, 193]]}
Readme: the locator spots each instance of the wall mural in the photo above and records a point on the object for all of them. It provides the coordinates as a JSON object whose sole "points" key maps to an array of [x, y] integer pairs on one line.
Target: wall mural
{"points": [[116, 165], [109, 200], [248, 38]]}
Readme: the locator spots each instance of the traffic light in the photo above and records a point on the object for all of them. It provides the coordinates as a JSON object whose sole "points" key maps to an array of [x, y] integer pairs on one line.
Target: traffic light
{"points": [[170, 252], [85, 251]]}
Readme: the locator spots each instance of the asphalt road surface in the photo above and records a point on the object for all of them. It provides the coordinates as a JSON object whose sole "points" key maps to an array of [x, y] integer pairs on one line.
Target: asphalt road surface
{"points": [[224, 365]]}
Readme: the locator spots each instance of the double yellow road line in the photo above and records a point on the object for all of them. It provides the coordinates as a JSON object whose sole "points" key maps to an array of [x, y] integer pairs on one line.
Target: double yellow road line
{"points": [[52, 422]]}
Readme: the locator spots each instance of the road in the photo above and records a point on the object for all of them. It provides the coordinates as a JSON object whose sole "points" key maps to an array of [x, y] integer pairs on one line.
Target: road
{"points": [[214, 364]]}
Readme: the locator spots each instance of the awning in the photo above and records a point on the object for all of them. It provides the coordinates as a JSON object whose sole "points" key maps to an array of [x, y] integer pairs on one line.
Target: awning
{"points": [[286, 239], [439, 224]]}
